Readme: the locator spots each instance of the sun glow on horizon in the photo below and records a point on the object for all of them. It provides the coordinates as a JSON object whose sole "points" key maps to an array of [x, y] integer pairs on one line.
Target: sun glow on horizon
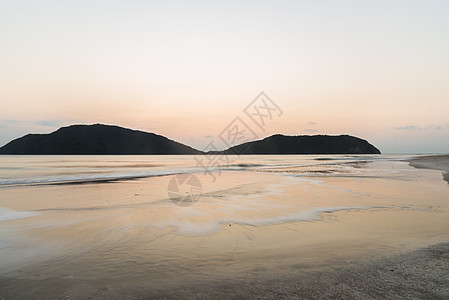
{"points": [[379, 70]]}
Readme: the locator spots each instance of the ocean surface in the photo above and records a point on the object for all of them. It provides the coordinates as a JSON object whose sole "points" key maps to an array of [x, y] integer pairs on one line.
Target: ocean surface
{"points": [[47, 169], [168, 220]]}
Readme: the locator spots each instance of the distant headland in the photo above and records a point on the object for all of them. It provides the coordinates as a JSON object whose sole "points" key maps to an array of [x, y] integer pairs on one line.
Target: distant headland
{"points": [[100, 139]]}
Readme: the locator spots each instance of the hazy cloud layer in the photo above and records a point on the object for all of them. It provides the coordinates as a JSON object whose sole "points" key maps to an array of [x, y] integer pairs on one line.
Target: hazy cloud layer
{"points": [[309, 130], [417, 128]]}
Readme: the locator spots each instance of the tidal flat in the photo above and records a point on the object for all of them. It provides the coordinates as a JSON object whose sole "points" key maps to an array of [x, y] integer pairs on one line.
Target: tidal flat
{"points": [[112, 227]]}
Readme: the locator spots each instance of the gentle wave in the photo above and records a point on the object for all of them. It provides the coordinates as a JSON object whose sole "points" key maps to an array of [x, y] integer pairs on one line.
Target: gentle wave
{"points": [[212, 226], [9, 214], [36, 170], [84, 178]]}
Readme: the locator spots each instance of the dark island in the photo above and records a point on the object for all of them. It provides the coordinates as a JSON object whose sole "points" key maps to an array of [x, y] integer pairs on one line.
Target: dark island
{"points": [[306, 144], [95, 139], [107, 139]]}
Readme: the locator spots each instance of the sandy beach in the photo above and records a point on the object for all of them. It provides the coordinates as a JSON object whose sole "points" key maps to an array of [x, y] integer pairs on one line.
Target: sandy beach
{"points": [[421, 274], [369, 228], [434, 162]]}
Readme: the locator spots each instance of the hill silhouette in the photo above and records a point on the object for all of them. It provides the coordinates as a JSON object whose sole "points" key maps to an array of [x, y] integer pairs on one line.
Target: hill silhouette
{"points": [[95, 139], [306, 144], [109, 139]]}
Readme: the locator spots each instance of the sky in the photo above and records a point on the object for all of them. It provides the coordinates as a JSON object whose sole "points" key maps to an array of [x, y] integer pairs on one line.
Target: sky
{"points": [[378, 70]]}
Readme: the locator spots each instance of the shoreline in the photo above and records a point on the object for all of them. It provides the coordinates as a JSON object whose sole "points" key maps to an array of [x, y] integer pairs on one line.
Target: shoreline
{"points": [[423, 273], [433, 162]]}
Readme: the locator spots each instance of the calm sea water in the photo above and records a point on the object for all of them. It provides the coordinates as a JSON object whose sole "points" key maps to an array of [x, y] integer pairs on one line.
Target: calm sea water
{"points": [[22, 170]]}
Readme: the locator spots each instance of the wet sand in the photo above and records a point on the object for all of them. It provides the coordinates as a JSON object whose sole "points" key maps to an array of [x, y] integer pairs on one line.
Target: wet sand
{"points": [[418, 274], [242, 240], [434, 162], [421, 274]]}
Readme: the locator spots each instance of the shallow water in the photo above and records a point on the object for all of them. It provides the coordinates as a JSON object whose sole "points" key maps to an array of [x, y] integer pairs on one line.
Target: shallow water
{"points": [[260, 216], [32, 169]]}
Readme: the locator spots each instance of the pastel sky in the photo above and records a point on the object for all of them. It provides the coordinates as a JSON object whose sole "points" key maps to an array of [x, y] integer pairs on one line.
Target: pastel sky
{"points": [[185, 69]]}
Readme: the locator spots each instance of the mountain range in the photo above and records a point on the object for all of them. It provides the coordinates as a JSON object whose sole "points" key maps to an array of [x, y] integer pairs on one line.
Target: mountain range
{"points": [[111, 140]]}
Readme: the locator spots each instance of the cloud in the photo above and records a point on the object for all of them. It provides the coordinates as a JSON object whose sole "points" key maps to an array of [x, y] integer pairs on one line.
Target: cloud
{"points": [[13, 121], [409, 128], [416, 128], [311, 130], [49, 123]]}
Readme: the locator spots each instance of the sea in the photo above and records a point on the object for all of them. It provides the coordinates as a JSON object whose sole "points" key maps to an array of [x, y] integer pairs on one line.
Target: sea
{"points": [[16, 170]]}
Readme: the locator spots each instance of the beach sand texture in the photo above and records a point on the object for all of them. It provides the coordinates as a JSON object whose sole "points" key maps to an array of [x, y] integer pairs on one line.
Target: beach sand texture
{"points": [[434, 162]]}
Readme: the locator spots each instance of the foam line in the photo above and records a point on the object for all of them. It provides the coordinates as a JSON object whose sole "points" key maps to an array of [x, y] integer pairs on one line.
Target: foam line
{"points": [[9, 214]]}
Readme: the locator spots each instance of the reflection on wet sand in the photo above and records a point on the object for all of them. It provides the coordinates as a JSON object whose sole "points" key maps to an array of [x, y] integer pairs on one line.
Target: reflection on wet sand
{"points": [[264, 223]]}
